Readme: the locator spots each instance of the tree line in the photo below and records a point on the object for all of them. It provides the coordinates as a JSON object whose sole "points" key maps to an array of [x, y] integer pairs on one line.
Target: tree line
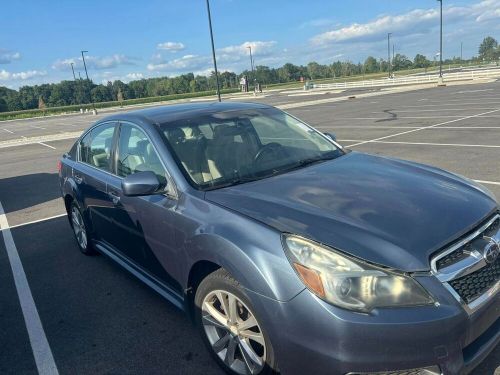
{"points": [[83, 91]]}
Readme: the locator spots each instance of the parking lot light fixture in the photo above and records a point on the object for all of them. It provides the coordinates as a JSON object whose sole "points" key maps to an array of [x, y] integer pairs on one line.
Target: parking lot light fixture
{"points": [[389, 53], [87, 75], [213, 50], [440, 38], [252, 66], [73, 70]]}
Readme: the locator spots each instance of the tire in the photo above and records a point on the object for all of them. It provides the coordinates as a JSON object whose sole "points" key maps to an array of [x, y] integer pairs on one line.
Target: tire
{"points": [[80, 229], [236, 340]]}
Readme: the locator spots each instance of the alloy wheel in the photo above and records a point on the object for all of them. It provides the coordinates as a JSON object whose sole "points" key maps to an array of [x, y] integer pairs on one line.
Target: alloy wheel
{"points": [[233, 332], [79, 227]]}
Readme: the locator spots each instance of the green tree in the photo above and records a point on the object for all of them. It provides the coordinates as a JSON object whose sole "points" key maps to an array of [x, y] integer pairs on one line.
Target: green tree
{"points": [[3, 105], [401, 62], [420, 61], [488, 50], [371, 65]]}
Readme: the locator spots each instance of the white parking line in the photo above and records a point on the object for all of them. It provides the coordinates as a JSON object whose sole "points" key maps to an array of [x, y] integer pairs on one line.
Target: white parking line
{"points": [[437, 110], [406, 117], [36, 221], [41, 350], [444, 104], [420, 143], [37, 127], [8, 131], [469, 91], [46, 145], [488, 182], [368, 127], [424, 127]]}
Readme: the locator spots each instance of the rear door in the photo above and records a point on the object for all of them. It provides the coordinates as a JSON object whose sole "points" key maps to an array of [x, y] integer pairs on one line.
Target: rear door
{"points": [[92, 175], [142, 227]]}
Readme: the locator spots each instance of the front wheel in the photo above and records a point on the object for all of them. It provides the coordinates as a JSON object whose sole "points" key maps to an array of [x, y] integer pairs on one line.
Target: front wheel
{"points": [[230, 328]]}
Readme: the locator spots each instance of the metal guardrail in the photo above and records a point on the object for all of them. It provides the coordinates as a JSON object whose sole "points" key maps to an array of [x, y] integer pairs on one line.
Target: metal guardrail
{"points": [[434, 78]]}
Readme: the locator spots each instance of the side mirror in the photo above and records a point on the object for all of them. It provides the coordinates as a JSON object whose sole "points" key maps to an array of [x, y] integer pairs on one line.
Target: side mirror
{"points": [[140, 183], [331, 136]]}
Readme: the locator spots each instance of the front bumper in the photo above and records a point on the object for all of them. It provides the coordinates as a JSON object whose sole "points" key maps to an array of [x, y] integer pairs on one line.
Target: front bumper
{"points": [[314, 337]]}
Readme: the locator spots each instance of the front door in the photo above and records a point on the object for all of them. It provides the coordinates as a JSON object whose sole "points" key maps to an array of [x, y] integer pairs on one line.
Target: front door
{"points": [[138, 220]]}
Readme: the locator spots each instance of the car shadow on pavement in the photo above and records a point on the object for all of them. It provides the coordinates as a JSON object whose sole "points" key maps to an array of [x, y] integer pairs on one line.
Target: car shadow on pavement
{"points": [[20, 192]]}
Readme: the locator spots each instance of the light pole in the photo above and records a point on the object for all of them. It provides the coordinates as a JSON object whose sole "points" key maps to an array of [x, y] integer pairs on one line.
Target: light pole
{"points": [[87, 75], [213, 50], [251, 65], [73, 70], [461, 51], [389, 53], [441, 39]]}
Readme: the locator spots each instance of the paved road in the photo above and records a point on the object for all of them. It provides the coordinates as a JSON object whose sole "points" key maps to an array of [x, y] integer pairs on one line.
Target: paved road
{"points": [[99, 319]]}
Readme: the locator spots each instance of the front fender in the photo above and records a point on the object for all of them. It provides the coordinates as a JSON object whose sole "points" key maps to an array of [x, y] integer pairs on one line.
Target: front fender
{"points": [[250, 251]]}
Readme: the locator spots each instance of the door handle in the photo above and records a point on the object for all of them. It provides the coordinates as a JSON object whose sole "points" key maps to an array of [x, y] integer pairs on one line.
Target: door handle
{"points": [[78, 178], [114, 197]]}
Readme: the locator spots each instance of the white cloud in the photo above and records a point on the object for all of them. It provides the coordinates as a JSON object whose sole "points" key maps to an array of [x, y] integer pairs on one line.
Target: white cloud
{"points": [[234, 58], [171, 46], [134, 76], [6, 56], [4, 75], [185, 64], [413, 22], [94, 62], [21, 76], [259, 48]]}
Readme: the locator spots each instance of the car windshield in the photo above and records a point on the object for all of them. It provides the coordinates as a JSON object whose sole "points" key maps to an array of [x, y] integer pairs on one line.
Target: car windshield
{"points": [[230, 147]]}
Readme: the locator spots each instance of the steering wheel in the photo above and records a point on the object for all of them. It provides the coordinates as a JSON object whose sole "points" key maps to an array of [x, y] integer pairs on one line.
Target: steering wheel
{"points": [[272, 149]]}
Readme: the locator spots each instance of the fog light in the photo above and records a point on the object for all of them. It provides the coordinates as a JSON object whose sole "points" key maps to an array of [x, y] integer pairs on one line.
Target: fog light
{"points": [[431, 370]]}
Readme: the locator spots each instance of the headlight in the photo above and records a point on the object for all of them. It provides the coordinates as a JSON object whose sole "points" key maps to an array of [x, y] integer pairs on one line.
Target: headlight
{"points": [[349, 283]]}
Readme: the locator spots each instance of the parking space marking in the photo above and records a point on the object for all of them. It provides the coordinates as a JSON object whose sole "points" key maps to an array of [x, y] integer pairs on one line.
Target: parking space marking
{"points": [[368, 127], [36, 221], [37, 127], [488, 182], [444, 104], [424, 127], [421, 143], [41, 350], [469, 91], [409, 117], [46, 145], [438, 110], [8, 131]]}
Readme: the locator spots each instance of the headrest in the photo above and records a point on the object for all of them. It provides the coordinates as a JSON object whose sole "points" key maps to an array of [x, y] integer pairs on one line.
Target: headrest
{"points": [[227, 131], [176, 135]]}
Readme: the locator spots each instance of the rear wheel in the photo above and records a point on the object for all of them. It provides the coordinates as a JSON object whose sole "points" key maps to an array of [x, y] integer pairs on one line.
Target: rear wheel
{"points": [[230, 328], [80, 229]]}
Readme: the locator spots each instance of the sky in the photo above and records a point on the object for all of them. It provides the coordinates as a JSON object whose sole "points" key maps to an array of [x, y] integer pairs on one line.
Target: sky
{"points": [[130, 40]]}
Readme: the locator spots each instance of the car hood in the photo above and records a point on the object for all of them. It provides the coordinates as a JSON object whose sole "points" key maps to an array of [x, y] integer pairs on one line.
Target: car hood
{"points": [[390, 212]]}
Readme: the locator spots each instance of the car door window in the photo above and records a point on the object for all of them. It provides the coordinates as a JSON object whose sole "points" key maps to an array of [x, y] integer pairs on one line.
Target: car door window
{"points": [[96, 147], [137, 154]]}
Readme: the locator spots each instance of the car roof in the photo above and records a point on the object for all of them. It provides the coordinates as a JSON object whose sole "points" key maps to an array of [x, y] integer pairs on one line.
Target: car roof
{"points": [[169, 113]]}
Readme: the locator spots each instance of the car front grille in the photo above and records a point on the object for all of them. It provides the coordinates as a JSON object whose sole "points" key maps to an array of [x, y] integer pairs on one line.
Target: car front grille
{"points": [[451, 258], [467, 269], [473, 285]]}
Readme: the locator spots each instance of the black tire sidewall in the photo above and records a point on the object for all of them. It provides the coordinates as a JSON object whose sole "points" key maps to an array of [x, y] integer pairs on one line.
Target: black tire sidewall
{"points": [[89, 250], [221, 280]]}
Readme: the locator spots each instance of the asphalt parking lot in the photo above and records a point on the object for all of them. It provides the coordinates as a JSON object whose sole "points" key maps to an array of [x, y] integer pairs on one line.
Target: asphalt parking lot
{"points": [[99, 319]]}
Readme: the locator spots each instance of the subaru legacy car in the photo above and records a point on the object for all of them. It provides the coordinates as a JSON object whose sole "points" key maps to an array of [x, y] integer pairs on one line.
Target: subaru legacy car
{"points": [[290, 253]]}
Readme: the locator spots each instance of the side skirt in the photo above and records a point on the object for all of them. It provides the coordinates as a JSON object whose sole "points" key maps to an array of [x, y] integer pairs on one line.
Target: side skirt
{"points": [[166, 292]]}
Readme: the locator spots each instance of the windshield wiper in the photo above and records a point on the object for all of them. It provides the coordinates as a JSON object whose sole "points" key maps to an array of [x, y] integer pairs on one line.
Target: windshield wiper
{"points": [[234, 181], [309, 161]]}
